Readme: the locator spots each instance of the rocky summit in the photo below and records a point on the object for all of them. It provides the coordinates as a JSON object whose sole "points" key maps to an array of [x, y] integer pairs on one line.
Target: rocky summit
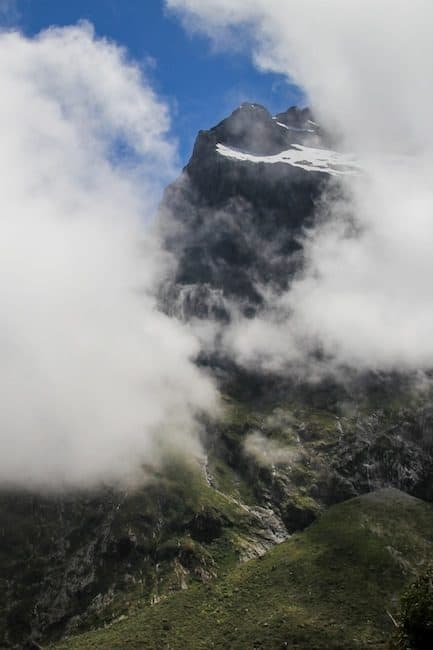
{"points": [[329, 483], [233, 222]]}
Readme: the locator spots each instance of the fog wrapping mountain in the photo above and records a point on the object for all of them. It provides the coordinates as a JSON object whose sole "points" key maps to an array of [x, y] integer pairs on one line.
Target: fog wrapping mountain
{"points": [[233, 224], [235, 220], [282, 452]]}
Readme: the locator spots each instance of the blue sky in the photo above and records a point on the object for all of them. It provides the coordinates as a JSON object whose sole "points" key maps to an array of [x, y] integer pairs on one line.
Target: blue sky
{"points": [[200, 86]]}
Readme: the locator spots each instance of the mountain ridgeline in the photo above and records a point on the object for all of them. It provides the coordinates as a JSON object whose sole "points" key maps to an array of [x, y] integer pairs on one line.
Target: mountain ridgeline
{"points": [[252, 546]]}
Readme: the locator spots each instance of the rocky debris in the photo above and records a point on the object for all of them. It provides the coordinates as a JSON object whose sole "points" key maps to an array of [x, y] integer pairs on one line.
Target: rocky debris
{"points": [[273, 530], [268, 531]]}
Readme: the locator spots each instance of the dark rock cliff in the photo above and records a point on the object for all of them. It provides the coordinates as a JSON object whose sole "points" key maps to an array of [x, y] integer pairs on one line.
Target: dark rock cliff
{"points": [[235, 225]]}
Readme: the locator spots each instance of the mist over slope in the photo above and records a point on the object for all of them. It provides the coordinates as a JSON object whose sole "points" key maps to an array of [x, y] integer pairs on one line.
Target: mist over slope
{"points": [[179, 398], [282, 451], [365, 295]]}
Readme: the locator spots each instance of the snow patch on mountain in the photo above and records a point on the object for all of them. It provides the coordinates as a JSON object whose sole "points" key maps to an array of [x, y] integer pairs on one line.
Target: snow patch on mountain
{"points": [[293, 128], [307, 158]]}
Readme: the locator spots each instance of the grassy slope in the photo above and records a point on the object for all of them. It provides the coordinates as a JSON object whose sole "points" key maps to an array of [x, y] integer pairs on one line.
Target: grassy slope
{"points": [[328, 587]]}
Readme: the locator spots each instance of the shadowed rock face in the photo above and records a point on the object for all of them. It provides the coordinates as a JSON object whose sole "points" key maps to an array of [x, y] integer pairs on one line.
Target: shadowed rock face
{"points": [[235, 225]]}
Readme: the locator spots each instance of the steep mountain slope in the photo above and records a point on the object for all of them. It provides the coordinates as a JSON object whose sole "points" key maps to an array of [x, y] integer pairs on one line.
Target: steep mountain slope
{"points": [[329, 587], [281, 454], [234, 220], [232, 223], [73, 562], [70, 562]]}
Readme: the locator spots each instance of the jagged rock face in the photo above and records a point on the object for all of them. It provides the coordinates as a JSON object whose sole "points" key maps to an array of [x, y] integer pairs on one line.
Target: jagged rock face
{"points": [[235, 225]]}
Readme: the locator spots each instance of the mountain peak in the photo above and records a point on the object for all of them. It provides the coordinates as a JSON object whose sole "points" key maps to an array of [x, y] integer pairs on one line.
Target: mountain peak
{"points": [[237, 224], [248, 106], [252, 128]]}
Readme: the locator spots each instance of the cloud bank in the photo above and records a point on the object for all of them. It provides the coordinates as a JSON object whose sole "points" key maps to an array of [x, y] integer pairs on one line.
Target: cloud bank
{"points": [[366, 297], [94, 380]]}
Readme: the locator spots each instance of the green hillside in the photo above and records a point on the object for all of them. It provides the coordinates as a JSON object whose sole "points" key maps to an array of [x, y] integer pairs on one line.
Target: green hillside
{"points": [[327, 587]]}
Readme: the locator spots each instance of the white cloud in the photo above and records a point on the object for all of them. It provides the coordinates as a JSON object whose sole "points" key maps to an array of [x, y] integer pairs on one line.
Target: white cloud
{"points": [[365, 300], [94, 380], [268, 451]]}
